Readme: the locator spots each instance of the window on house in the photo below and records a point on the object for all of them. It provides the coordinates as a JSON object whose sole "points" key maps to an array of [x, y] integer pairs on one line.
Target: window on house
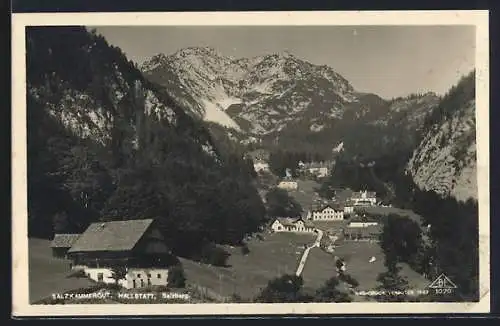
{"points": [[149, 275], [100, 277], [139, 275], [159, 275]]}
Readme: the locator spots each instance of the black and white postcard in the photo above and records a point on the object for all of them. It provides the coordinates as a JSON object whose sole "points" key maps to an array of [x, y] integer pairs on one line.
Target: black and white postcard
{"points": [[250, 163]]}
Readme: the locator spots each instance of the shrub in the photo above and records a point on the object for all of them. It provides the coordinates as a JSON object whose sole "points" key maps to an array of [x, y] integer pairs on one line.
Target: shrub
{"points": [[213, 255], [244, 250], [176, 277], [78, 273], [349, 280], [287, 288]]}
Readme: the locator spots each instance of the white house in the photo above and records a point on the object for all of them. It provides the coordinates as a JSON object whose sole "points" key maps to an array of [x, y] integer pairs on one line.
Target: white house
{"points": [[260, 165], [327, 212], [362, 224], [348, 209], [364, 198], [320, 169], [288, 185], [359, 231], [133, 246], [288, 224]]}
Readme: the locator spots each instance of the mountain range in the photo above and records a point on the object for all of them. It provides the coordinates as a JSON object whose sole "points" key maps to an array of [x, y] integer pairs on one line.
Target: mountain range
{"points": [[281, 100]]}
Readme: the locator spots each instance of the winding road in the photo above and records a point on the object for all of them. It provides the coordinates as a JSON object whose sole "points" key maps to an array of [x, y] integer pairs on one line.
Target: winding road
{"points": [[303, 260]]}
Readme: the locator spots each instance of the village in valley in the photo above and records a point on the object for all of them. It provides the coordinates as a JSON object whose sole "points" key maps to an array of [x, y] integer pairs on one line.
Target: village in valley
{"points": [[331, 237]]}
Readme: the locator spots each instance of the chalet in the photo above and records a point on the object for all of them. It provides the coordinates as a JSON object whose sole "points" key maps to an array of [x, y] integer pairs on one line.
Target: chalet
{"points": [[364, 198], [135, 245], [287, 224], [348, 208], [361, 222], [288, 184], [61, 243], [327, 212], [365, 233], [319, 169]]}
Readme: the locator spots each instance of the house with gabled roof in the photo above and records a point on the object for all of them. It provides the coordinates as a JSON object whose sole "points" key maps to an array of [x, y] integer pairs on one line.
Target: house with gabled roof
{"points": [[370, 232], [135, 245], [61, 243], [331, 212], [364, 198], [320, 169], [290, 224]]}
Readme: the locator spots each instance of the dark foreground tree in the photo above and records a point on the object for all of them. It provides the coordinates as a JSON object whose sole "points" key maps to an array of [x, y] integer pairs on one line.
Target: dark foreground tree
{"points": [[287, 288], [176, 277], [280, 203], [329, 292], [118, 273], [392, 286]]}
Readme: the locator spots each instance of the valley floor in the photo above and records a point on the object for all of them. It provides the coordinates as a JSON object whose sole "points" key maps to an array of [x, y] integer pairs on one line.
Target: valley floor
{"points": [[271, 256]]}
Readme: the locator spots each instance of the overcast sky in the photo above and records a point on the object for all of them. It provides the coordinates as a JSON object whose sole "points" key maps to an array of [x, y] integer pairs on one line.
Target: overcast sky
{"points": [[386, 60]]}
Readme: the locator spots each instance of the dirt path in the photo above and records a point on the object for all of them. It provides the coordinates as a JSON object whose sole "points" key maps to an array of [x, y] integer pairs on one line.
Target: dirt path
{"points": [[303, 260]]}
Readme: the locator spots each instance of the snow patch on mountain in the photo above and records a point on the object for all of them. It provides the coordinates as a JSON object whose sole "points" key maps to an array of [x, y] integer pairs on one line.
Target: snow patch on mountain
{"points": [[215, 113]]}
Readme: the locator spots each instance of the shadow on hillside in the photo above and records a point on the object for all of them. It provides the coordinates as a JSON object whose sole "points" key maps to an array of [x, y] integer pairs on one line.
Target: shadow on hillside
{"points": [[210, 254]]}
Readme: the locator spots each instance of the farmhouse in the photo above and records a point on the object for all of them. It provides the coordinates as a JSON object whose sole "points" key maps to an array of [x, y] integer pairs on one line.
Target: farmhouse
{"points": [[327, 212], [348, 208], [362, 229], [319, 169], [365, 233], [288, 184], [260, 165], [364, 198], [287, 224], [134, 245], [61, 243], [363, 221]]}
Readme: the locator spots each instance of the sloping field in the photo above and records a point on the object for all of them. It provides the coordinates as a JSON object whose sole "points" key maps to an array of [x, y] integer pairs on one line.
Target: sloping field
{"points": [[48, 275], [277, 254], [357, 256]]}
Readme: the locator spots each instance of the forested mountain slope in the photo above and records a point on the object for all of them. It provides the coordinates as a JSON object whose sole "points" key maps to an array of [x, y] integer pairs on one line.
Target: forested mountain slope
{"points": [[106, 144]]}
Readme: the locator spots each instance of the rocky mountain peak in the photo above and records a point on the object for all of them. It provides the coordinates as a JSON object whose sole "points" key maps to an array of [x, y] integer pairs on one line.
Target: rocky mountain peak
{"points": [[257, 95]]}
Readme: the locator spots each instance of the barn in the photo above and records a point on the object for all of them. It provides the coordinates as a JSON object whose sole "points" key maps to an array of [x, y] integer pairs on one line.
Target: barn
{"points": [[134, 246], [61, 243]]}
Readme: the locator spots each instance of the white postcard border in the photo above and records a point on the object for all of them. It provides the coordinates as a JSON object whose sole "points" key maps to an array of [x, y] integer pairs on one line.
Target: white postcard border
{"points": [[20, 302]]}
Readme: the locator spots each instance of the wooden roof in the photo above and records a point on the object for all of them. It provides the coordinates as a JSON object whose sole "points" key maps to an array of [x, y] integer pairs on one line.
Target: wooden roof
{"points": [[290, 221], [64, 240], [111, 236]]}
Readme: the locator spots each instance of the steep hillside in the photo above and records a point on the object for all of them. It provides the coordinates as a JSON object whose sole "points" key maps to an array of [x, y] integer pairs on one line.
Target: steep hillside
{"points": [[106, 144], [445, 160]]}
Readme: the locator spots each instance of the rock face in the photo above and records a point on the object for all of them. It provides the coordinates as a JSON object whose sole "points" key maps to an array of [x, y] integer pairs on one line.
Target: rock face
{"points": [[258, 95], [106, 98], [445, 159]]}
